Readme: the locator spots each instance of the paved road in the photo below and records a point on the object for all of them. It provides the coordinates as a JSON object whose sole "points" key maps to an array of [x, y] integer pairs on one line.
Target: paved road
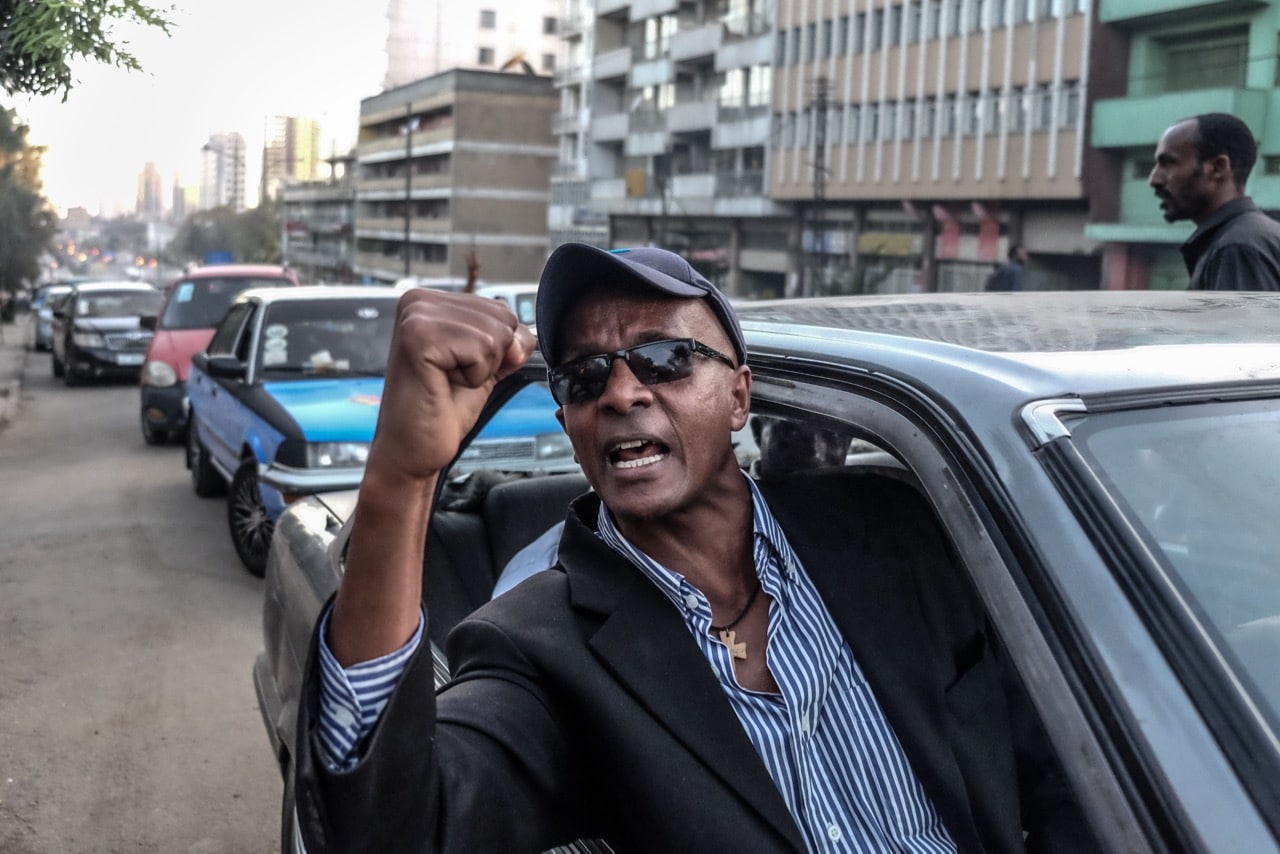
{"points": [[127, 633]]}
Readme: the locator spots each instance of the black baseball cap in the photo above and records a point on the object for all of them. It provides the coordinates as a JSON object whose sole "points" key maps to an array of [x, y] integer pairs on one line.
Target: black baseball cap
{"points": [[575, 267]]}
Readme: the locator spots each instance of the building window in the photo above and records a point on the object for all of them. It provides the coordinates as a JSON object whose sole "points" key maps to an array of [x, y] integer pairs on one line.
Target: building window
{"points": [[859, 32], [909, 119], [789, 130], [929, 118], [853, 123], [895, 26], [795, 45], [1017, 109], [972, 114], [949, 115], [810, 42], [1042, 109], [805, 138], [933, 19], [488, 19], [827, 37], [842, 36], [485, 56], [1210, 60], [955, 8], [549, 26], [780, 57], [977, 11], [877, 30], [834, 126], [999, 14], [1022, 11], [759, 85], [549, 62], [915, 21], [1069, 112], [873, 122]]}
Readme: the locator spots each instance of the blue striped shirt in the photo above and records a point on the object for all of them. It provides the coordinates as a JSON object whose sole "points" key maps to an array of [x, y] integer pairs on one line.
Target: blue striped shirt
{"points": [[824, 738]]}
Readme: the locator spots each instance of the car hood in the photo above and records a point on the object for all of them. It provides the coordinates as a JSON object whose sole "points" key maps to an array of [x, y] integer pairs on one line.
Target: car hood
{"points": [[331, 410], [176, 347]]}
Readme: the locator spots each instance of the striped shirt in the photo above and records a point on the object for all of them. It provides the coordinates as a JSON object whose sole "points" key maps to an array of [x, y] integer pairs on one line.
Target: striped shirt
{"points": [[824, 739]]}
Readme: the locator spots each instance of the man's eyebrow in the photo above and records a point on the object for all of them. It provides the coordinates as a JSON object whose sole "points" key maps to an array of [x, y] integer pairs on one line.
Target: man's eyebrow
{"points": [[590, 348]]}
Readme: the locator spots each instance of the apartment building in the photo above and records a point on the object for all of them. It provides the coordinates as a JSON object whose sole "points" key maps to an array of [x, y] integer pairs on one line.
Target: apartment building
{"points": [[457, 161], [222, 168], [319, 223], [1178, 59], [918, 139], [150, 204], [426, 37], [290, 153], [663, 128]]}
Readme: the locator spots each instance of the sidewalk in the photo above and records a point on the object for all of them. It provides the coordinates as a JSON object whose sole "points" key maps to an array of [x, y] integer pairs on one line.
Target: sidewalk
{"points": [[13, 359]]}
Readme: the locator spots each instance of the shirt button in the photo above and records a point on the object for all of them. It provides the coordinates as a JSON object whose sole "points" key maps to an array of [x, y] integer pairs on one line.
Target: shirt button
{"points": [[833, 833], [691, 602]]}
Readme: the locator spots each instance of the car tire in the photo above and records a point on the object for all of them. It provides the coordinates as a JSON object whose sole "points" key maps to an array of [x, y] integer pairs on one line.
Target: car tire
{"points": [[247, 518], [58, 367], [205, 479], [152, 435]]}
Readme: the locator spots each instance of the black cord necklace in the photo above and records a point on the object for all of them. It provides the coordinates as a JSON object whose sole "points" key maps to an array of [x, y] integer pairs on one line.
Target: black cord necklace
{"points": [[728, 637]]}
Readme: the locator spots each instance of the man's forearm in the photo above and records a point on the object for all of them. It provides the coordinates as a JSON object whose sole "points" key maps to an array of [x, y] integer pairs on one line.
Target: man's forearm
{"points": [[377, 606]]}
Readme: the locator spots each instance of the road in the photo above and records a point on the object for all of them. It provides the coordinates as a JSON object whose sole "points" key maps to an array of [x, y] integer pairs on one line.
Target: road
{"points": [[127, 633]]}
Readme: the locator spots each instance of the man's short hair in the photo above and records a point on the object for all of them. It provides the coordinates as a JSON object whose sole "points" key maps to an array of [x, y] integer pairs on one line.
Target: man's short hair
{"points": [[1223, 133], [1014, 250]]}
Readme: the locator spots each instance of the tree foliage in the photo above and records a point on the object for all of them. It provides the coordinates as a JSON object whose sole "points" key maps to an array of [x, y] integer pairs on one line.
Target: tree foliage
{"points": [[39, 39], [27, 223], [252, 236]]}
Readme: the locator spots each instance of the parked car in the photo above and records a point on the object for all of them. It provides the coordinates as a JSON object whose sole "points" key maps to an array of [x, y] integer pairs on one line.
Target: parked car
{"points": [[521, 298], [98, 332], [1105, 466], [40, 326], [285, 398], [194, 304]]}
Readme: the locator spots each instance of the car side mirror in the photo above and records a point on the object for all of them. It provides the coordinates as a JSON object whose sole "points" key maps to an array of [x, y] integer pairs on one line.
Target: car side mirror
{"points": [[226, 367], [148, 321]]}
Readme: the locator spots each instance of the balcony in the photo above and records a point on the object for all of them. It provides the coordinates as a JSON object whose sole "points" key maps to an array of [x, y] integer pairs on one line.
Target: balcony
{"points": [[1139, 121], [745, 52], [697, 43], [392, 147], [610, 128], [691, 116], [608, 7], [611, 64], [566, 123], [1146, 12], [571, 24], [392, 228], [370, 189], [651, 72], [644, 9], [568, 171], [697, 186], [568, 75], [391, 267], [740, 127], [735, 185]]}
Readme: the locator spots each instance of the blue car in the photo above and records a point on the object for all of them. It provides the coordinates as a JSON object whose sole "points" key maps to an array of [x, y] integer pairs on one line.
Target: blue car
{"points": [[285, 399]]}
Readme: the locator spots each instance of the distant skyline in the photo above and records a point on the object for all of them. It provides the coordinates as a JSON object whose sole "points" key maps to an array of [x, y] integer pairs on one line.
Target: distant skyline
{"points": [[227, 65]]}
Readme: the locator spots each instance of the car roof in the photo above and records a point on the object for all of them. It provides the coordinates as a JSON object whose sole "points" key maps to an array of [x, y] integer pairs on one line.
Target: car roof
{"points": [[122, 285], [306, 293], [510, 289], [222, 270], [1032, 344]]}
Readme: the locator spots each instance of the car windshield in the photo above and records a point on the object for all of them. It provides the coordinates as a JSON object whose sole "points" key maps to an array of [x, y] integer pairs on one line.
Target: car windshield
{"points": [[326, 337], [1192, 476], [201, 303], [118, 304]]}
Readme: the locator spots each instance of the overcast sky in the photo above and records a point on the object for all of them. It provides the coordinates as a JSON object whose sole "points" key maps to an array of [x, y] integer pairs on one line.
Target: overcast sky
{"points": [[226, 66]]}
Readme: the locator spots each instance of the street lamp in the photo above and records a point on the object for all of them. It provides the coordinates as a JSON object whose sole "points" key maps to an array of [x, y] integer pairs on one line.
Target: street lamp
{"points": [[410, 125]]}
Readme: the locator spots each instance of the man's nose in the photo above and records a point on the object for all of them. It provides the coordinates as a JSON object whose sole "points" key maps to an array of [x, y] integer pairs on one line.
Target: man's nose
{"points": [[622, 390]]}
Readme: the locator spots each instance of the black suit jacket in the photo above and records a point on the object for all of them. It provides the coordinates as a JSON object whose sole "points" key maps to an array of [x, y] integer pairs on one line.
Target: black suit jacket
{"points": [[581, 707]]}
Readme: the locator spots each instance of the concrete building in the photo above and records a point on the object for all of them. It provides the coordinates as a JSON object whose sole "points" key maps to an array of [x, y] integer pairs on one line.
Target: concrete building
{"points": [[222, 169], [457, 161], [290, 153], [668, 121], [150, 205], [319, 217], [920, 138], [1177, 58], [426, 37]]}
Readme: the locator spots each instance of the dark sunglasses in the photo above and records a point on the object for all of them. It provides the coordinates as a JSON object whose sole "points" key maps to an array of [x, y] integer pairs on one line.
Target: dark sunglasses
{"points": [[583, 380]]}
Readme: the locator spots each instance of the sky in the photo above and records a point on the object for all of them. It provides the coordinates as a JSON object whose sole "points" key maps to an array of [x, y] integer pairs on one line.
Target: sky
{"points": [[226, 66]]}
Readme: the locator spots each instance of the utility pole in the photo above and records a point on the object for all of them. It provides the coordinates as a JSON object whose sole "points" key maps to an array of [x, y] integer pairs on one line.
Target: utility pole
{"points": [[818, 110], [408, 183]]}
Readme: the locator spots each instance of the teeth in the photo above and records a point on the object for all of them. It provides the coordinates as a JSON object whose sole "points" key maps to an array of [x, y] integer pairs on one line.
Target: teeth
{"points": [[643, 461], [623, 446]]}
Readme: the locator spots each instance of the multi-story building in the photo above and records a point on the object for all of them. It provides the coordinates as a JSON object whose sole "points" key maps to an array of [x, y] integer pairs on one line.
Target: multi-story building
{"points": [[427, 37], [222, 168], [920, 138], [290, 153], [150, 206], [319, 217], [457, 161], [669, 121], [1182, 58], [178, 200]]}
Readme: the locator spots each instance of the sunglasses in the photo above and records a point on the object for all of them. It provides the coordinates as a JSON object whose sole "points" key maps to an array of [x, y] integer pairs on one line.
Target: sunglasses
{"points": [[584, 380]]}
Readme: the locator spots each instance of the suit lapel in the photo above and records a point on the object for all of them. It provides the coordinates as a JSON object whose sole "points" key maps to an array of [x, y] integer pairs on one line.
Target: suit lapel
{"points": [[645, 644]]}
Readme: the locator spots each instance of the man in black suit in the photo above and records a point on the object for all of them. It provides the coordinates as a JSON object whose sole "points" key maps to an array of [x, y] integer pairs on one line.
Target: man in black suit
{"points": [[716, 667]]}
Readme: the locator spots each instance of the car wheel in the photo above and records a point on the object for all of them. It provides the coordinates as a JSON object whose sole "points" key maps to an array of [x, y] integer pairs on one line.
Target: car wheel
{"points": [[204, 478], [151, 435], [247, 517], [58, 367]]}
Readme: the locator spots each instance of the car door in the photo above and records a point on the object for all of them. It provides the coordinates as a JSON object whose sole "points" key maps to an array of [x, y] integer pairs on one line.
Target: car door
{"points": [[213, 401]]}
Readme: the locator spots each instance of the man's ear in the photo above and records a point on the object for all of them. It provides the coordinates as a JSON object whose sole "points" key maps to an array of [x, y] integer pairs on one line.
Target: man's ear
{"points": [[741, 391], [1220, 169]]}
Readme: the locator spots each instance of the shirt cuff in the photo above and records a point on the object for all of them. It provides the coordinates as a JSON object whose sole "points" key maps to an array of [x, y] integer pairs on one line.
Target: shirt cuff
{"points": [[352, 698]]}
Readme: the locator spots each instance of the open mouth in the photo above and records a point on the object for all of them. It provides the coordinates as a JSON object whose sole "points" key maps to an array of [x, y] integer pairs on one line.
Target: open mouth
{"points": [[637, 453]]}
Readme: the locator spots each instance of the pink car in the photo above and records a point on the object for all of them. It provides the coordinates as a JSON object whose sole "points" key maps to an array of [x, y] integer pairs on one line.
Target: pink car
{"points": [[194, 304]]}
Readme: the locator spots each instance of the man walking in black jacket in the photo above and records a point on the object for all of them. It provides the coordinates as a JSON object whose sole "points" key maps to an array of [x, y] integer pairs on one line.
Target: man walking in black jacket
{"points": [[1202, 164]]}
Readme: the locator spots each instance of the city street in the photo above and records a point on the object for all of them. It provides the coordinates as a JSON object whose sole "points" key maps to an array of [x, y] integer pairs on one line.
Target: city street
{"points": [[128, 627]]}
